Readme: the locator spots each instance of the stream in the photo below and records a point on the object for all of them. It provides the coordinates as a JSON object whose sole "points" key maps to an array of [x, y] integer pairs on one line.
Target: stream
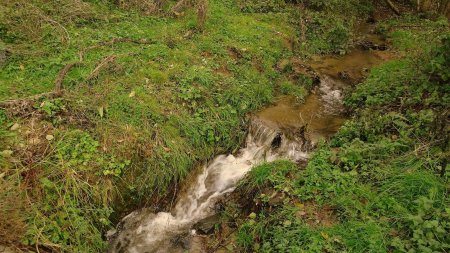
{"points": [[285, 130]]}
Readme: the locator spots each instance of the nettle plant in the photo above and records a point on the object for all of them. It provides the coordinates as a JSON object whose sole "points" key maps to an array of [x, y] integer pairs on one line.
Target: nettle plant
{"points": [[78, 150], [428, 229]]}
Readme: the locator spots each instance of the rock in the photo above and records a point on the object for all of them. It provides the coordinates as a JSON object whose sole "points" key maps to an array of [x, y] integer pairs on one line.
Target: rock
{"points": [[184, 240], [206, 226], [344, 75]]}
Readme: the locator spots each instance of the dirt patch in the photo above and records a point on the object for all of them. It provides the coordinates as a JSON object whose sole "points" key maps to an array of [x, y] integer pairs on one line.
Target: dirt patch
{"points": [[315, 215], [235, 53], [223, 70]]}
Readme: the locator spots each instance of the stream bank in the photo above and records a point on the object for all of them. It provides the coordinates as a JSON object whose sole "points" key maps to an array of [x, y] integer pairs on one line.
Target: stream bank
{"points": [[287, 130]]}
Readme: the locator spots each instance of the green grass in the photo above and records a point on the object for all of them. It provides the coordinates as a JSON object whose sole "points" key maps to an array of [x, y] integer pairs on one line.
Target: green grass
{"points": [[378, 185], [122, 138]]}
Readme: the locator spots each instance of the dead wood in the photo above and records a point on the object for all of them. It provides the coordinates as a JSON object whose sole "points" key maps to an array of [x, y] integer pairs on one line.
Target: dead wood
{"points": [[393, 7], [180, 6], [62, 74]]}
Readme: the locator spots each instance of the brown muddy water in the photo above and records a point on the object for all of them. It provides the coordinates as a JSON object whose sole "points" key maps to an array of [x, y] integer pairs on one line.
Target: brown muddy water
{"points": [[322, 112], [285, 130]]}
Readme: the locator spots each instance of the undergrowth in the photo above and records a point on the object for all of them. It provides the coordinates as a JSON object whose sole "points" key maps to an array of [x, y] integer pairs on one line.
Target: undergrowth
{"points": [[380, 185], [137, 114], [134, 117]]}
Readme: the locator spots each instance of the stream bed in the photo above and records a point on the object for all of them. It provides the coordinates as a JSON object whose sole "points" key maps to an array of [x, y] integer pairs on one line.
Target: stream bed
{"points": [[284, 130]]}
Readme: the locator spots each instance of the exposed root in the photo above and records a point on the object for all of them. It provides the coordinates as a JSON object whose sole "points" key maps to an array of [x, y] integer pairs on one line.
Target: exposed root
{"points": [[202, 9], [180, 6]]}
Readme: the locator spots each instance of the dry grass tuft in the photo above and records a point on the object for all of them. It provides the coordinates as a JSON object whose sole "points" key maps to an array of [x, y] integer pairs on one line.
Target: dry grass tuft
{"points": [[202, 10], [148, 7], [12, 213], [32, 20]]}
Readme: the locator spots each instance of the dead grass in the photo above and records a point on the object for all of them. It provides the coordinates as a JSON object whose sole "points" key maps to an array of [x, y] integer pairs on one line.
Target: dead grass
{"points": [[32, 20], [148, 7], [12, 213]]}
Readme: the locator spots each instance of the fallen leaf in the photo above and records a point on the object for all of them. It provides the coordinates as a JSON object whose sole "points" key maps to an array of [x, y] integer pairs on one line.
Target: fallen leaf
{"points": [[287, 223]]}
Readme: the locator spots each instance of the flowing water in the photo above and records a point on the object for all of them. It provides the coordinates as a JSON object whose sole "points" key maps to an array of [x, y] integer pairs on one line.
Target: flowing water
{"points": [[286, 130], [274, 133], [153, 232]]}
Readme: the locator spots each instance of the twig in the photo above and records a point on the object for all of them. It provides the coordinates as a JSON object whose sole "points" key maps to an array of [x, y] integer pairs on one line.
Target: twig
{"points": [[220, 243], [393, 7], [106, 61]]}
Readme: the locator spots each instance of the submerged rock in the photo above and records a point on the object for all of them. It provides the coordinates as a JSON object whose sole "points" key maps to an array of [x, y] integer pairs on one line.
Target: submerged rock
{"points": [[206, 226]]}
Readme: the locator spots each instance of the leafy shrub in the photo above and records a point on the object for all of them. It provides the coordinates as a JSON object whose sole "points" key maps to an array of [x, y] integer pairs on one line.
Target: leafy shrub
{"points": [[427, 229]]}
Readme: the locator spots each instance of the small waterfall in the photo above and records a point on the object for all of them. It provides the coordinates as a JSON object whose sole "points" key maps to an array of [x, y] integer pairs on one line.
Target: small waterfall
{"points": [[147, 232]]}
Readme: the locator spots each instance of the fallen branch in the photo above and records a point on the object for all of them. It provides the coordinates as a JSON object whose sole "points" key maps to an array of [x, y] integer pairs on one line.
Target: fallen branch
{"points": [[393, 7], [27, 100], [62, 74]]}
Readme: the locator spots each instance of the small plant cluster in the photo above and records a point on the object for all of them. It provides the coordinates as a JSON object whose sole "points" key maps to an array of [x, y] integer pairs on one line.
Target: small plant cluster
{"points": [[75, 183]]}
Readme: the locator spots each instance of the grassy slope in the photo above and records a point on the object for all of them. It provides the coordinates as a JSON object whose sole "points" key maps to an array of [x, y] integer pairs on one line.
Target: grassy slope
{"points": [[126, 135], [378, 186]]}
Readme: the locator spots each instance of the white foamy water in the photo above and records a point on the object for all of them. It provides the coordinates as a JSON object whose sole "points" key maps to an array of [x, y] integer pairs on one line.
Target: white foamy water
{"points": [[146, 232]]}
